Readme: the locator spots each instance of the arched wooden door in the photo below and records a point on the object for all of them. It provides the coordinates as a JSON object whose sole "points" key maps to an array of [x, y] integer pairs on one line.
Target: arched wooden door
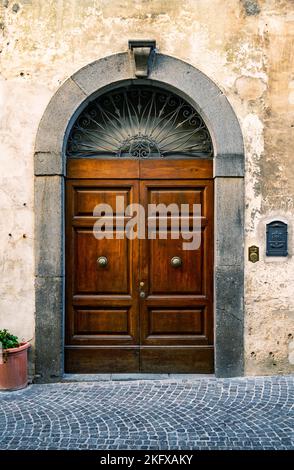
{"points": [[143, 304]]}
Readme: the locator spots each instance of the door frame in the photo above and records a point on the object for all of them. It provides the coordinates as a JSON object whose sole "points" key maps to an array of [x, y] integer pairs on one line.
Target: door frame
{"points": [[50, 170]]}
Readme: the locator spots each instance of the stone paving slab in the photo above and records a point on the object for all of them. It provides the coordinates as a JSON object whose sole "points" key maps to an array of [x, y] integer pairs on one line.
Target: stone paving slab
{"points": [[180, 413]]}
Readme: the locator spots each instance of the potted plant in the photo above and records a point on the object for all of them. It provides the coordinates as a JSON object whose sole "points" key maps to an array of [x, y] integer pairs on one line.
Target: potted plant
{"points": [[13, 362]]}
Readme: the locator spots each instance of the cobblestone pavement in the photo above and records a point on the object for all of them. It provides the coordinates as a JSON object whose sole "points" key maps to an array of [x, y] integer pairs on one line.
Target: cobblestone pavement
{"points": [[205, 413]]}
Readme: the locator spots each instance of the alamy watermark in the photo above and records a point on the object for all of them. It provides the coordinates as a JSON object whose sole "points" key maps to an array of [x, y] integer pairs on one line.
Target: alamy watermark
{"points": [[162, 221]]}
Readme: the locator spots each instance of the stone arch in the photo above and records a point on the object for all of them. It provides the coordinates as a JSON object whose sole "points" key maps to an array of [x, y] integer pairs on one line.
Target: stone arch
{"points": [[50, 170]]}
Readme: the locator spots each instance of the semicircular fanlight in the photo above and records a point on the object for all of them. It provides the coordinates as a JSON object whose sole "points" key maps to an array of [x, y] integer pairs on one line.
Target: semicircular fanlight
{"points": [[139, 122]]}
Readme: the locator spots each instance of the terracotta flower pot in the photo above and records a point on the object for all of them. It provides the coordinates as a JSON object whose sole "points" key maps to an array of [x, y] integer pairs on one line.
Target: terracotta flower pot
{"points": [[14, 369]]}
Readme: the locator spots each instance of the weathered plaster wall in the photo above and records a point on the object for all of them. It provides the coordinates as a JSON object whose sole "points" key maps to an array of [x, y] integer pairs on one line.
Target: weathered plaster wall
{"points": [[245, 46]]}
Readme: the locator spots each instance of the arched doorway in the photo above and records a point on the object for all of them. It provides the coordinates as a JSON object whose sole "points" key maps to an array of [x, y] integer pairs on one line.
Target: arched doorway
{"points": [[204, 96], [139, 300]]}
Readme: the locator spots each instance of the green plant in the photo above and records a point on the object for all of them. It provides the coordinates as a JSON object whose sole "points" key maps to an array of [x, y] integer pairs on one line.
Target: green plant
{"points": [[8, 340]]}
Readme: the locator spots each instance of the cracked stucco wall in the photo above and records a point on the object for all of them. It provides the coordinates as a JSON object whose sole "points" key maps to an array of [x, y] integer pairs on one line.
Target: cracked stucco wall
{"points": [[245, 46]]}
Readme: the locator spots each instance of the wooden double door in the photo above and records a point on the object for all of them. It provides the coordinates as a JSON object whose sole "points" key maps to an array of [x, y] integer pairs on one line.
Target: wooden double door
{"points": [[148, 305]]}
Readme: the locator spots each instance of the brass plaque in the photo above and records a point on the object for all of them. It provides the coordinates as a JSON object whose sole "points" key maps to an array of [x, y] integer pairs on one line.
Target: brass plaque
{"points": [[253, 253]]}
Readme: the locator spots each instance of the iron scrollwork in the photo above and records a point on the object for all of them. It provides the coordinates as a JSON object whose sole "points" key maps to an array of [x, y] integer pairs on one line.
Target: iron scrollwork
{"points": [[139, 122]]}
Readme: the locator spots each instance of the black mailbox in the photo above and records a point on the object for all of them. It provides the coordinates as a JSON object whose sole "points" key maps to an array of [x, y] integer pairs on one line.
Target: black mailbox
{"points": [[277, 239]]}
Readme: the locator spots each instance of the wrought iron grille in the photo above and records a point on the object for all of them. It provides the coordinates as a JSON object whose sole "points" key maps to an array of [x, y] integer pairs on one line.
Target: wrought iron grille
{"points": [[139, 122]]}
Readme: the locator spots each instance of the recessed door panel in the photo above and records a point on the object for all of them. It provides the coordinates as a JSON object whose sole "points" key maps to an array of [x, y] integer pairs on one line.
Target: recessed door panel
{"points": [[164, 278], [102, 321], [90, 277], [175, 322], [170, 195], [87, 198]]}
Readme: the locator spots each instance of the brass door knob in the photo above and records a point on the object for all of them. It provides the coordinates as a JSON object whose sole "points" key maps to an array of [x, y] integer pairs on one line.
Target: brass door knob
{"points": [[176, 262], [102, 261]]}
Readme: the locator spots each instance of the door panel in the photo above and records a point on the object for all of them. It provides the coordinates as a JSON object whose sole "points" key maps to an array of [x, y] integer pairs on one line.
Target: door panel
{"points": [[89, 277], [102, 321], [138, 313], [99, 168], [176, 322], [103, 360], [176, 168], [179, 360], [165, 279], [193, 333], [87, 197], [170, 195]]}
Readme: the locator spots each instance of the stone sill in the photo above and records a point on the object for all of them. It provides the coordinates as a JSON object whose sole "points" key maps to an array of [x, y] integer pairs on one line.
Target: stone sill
{"points": [[128, 377]]}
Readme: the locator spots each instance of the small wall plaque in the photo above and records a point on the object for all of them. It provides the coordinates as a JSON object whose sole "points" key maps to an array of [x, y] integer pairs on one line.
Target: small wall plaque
{"points": [[277, 239], [253, 254]]}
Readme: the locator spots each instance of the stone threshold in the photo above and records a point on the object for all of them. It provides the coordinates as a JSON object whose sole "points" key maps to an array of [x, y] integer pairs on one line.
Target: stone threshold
{"points": [[134, 376]]}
